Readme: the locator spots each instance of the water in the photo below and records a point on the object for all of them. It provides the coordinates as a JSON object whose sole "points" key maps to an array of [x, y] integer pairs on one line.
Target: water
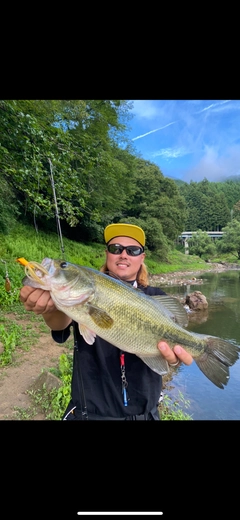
{"points": [[222, 318]]}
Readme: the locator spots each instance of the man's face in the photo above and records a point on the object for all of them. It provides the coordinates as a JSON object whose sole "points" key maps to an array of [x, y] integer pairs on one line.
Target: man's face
{"points": [[123, 265]]}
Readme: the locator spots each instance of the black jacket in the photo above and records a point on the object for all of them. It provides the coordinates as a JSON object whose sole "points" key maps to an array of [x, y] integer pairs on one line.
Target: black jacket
{"points": [[98, 367]]}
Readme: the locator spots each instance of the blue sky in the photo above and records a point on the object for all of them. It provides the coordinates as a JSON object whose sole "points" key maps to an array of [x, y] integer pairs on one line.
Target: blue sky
{"points": [[188, 139]]}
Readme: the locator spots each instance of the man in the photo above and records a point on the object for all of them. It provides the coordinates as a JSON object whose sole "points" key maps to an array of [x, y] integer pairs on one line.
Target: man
{"points": [[109, 384]]}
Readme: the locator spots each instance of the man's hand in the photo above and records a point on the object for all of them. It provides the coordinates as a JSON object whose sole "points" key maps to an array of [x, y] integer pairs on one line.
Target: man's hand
{"points": [[175, 355], [36, 300]]}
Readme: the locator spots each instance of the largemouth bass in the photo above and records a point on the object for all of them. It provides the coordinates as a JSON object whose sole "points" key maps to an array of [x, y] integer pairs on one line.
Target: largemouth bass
{"points": [[128, 318]]}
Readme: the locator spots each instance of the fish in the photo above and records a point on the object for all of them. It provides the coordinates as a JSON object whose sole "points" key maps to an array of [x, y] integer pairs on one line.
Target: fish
{"points": [[129, 319]]}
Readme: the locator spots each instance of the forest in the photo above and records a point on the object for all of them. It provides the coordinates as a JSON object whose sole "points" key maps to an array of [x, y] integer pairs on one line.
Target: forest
{"points": [[78, 151]]}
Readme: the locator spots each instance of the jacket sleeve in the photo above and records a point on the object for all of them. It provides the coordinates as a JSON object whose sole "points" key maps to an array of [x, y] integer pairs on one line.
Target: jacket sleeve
{"points": [[60, 336], [153, 291]]}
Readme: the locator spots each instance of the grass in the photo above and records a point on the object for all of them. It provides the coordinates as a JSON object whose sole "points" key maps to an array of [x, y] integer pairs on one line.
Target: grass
{"points": [[15, 337], [53, 403], [174, 410]]}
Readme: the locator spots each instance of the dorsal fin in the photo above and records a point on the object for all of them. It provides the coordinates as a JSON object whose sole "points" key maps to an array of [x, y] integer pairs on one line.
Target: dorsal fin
{"points": [[172, 308]]}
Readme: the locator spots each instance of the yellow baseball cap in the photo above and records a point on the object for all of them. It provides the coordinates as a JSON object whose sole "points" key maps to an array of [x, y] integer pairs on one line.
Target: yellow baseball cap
{"points": [[124, 230]]}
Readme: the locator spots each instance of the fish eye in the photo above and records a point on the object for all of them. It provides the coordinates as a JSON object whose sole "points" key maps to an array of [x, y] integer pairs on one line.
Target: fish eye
{"points": [[63, 265]]}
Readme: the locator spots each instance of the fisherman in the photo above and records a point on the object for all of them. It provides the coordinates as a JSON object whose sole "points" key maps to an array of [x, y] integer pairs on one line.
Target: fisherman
{"points": [[107, 383]]}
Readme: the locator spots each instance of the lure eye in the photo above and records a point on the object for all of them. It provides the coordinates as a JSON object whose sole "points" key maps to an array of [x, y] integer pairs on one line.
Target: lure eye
{"points": [[63, 265]]}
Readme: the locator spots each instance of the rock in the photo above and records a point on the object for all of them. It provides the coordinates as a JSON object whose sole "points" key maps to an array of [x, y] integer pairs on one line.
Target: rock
{"points": [[46, 378], [196, 301]]}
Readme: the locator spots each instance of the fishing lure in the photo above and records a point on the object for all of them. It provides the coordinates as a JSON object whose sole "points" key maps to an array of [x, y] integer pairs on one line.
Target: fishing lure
{"points": [[22, 261], [7, 284], [7, 280]]}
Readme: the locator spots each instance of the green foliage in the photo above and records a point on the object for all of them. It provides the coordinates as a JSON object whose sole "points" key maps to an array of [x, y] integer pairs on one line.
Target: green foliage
{"points": [[53, 403], [24, 414], [8, 298], [230, 242], [158, 198], [173, 410], [231, 191], [14, 336], [236, 210], [201, 244], [9, 340], [177, 261], [8, 206], [76, 140], [207, 206], [156, 241]]}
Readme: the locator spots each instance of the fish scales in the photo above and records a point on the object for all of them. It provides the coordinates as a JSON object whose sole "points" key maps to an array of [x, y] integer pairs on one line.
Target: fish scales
{"points": [[141, 314]]}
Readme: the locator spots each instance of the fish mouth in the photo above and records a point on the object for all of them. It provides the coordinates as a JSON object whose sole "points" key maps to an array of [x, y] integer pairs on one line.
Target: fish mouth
{"points": [[34, 269], [42, 273]]}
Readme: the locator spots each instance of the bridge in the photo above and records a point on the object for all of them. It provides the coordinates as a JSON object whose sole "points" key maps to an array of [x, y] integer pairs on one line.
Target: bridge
{"points": [[212, 234], [188, 234]]}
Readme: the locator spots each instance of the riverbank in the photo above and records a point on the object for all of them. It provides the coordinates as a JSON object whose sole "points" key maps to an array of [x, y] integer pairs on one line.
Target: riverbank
{"points": [[189, 277]]}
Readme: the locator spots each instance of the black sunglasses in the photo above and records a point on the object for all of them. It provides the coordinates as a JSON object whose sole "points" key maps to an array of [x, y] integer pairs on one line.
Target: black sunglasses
{"points": [[117, 249]]}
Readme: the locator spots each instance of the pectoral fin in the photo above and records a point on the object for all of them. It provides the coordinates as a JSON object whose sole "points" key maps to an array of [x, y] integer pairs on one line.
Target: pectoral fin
{"points": [[100, 317], [87, 334]]}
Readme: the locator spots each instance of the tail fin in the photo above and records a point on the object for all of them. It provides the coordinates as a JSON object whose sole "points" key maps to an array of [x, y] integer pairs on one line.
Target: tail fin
{"points": [[216, 360]]}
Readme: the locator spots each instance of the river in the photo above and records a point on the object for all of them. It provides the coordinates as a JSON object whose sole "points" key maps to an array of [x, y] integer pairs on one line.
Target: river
{"points": [[222, 318]]}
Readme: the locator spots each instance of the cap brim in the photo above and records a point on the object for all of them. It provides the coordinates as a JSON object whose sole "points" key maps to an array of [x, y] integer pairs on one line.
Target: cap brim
{"points": [[124, 230]]}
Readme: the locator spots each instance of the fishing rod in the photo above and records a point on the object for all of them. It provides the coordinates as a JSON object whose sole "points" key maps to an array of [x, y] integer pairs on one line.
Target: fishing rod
{"points": [[59, 231], [80, 388]]}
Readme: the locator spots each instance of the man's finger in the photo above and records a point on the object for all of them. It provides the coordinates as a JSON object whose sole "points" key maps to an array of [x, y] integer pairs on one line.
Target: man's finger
{"points": [[175, 355], [167, 352], [183, 355]]}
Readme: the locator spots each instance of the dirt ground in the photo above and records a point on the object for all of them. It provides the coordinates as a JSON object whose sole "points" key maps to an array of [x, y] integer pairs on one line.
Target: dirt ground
{"points": [[16, 379]]}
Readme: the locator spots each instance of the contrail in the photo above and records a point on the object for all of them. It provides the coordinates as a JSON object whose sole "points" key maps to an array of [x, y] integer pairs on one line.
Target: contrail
{"points": [[213, 105], [152, 131]]}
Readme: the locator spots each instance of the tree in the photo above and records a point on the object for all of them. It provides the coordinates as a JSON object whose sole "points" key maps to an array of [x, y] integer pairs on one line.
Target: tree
{"points": [[78, 139], [230, 241], [207, 206], [8, 207], [157, 197], [231, 191], [236, 210], [201, 244]]}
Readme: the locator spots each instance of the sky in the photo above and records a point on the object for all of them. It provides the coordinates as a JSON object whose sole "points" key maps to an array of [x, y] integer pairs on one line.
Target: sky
{"points": [[188, 139]]}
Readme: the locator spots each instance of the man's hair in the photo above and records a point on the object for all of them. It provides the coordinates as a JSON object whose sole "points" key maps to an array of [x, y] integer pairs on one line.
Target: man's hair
{"points": [[142, 275]]}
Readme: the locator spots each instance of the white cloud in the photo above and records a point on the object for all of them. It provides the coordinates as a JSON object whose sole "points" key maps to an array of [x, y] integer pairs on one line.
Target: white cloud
{"points": [[147, 109], [214, 166], [171, 153]]}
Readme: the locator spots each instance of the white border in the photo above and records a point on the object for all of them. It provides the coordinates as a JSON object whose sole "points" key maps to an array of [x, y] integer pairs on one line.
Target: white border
{"points": [[120, 513]]}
